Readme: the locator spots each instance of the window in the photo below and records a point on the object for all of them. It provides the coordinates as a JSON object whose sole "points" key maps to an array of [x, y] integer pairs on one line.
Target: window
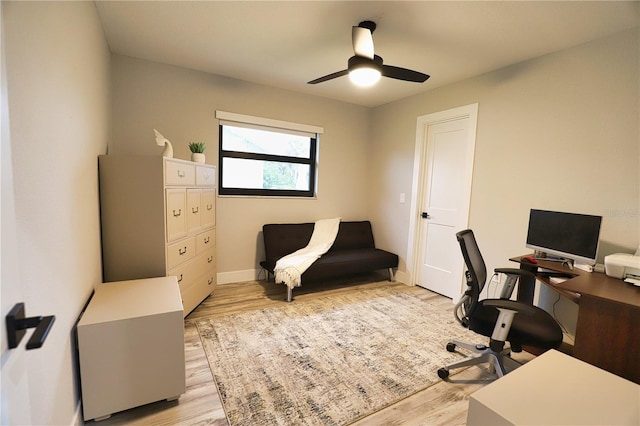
{"points": [[261, 157]]}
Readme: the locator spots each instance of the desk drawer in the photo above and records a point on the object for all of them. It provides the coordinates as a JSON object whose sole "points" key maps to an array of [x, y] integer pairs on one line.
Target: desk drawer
{"points": [[194, 294], [205, 176], [205, 241], [179, 173], [180, 252], [187, 272]]}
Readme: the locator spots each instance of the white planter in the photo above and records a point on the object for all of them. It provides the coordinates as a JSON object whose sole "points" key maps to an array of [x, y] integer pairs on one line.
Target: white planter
{"points": [[197, 157]]}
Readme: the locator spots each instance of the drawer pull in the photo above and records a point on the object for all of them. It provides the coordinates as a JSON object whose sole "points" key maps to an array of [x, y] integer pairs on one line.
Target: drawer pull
{"points": [[195, 210], [209, 206], [180, 279], [210, 259], [181, 173], [182, 251], [206, 240], [210, 281], [177, 214], [206, 176]]}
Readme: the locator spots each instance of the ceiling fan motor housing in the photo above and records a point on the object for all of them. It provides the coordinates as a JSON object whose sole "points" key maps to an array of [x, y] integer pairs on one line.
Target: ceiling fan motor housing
{"points": [[370, 25], [356, 62]]}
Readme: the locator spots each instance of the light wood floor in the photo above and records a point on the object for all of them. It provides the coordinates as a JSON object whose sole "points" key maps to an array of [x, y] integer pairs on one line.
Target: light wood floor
{"points": [[444, 403]]}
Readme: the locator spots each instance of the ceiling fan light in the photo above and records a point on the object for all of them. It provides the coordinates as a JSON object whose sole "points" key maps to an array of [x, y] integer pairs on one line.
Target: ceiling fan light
{"points": [[364, 76]]}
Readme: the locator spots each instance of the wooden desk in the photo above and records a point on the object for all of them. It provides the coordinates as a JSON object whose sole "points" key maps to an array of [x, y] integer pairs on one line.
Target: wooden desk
{"points": [[608, 327]]}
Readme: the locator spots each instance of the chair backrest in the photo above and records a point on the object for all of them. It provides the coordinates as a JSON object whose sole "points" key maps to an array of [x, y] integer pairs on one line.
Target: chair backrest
{"points": [[476, 269]]}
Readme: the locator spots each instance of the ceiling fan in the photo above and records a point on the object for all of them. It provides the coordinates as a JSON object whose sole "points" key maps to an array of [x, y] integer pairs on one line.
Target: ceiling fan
{"points": [[365, 67]]}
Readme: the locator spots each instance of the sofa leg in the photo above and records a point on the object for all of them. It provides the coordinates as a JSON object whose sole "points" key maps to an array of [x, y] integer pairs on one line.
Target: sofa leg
{"points": [[391, 276], [289, 294]]}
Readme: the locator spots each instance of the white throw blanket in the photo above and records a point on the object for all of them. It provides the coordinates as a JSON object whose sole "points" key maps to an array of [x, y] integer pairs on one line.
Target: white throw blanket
{"points": [[290, 268]]}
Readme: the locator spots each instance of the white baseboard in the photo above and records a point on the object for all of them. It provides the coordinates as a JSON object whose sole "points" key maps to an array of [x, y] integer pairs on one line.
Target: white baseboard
{"points": [[240, 276], [402, 277]]}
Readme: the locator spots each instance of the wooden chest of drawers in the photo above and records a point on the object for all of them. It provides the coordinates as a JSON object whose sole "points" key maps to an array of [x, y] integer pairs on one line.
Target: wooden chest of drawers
{"points": [[158, 219]]}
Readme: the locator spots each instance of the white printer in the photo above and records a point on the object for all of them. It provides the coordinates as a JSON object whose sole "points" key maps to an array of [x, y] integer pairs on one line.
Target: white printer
{"points": [[622, 265]]}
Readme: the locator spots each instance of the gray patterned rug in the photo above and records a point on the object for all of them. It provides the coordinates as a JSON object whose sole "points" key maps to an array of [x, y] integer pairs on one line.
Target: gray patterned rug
{"points": [[327, 361]]}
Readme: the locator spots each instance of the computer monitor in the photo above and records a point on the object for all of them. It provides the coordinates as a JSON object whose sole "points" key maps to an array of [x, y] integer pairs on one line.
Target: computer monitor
{"points": [[566, 235]]}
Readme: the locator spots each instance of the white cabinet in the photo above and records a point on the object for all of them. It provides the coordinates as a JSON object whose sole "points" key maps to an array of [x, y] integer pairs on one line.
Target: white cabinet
{"points": [[158, 219], [556, 389], [131, 353]]}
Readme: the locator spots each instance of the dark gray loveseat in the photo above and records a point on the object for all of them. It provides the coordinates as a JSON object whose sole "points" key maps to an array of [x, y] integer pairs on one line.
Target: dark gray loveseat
{"points": [[353, 251]]}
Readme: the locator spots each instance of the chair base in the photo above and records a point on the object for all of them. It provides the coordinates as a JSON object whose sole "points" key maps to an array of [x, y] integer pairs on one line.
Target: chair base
{"points": [[480, 354]]}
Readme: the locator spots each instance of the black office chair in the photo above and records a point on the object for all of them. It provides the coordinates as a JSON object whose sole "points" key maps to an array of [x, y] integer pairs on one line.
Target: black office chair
{"points": [[502, 320]]}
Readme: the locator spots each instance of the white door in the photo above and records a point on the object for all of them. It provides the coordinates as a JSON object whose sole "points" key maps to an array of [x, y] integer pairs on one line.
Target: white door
{"points": [[446, 166]]}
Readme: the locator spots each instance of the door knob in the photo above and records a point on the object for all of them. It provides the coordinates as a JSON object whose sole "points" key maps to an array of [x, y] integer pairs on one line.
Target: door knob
{"points": [[425, 215]]}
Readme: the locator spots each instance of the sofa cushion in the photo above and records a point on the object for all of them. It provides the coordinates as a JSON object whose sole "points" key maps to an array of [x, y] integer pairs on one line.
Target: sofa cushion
{"points": [[281, 239], [350, 262], [353, 235]]}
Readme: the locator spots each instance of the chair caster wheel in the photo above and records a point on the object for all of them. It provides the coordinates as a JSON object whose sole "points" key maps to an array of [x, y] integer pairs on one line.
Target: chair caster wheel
{"points": [[443, 373], [451, 347]]}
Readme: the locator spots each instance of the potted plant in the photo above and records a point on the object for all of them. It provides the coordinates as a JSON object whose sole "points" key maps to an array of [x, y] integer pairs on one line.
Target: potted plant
{"points": [[197, 151]]}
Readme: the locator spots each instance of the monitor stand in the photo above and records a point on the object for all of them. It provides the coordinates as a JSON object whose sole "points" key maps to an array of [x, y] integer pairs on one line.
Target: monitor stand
{"points": [[566, 262]]}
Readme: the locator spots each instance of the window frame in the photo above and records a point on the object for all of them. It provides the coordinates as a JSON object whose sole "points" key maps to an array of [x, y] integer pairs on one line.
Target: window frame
{"points": [[311, 161], [236, 120]]}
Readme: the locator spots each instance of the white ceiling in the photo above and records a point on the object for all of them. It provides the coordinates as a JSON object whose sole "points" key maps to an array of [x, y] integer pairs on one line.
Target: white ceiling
{"points": [[286, 44]]}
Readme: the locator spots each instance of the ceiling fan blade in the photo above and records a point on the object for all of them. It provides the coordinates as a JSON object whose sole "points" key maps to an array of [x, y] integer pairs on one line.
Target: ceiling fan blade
{"points": [[362, 42], [404, 74], [329, 77]]}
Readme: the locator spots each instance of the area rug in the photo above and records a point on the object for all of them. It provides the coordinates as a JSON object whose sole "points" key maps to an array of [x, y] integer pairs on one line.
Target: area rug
{"points": [[327, 361]]}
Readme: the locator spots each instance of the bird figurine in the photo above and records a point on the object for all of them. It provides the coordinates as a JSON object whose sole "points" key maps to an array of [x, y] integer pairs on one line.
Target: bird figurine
{"points": [[162, 141]]}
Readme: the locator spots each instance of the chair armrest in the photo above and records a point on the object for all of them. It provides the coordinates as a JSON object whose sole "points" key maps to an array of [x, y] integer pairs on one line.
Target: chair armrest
{"points": [[510, 304], [514, 271]]}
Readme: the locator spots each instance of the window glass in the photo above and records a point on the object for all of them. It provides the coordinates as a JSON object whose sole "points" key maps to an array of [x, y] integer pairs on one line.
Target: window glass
{"points": [[265, 142], [264, 162], [258, 174]]}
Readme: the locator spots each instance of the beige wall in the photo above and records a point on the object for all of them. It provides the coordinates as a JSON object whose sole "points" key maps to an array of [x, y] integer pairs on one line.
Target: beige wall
{"points": [[560, 132], [57, 64], [546, 132], [181, 105]]}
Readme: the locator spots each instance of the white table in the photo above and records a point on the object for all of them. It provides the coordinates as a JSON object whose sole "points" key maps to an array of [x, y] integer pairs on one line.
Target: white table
{"points": [[131, 346], [556, 389]]}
